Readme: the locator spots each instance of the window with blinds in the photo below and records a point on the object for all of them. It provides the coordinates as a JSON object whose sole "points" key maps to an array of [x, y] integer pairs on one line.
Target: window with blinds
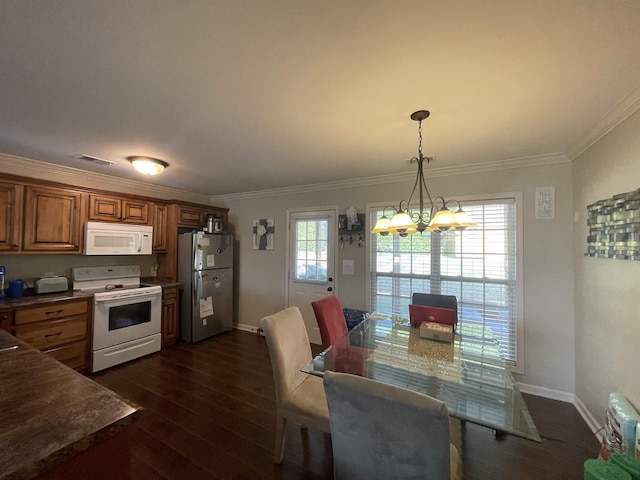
{"points": [[479, 266]]}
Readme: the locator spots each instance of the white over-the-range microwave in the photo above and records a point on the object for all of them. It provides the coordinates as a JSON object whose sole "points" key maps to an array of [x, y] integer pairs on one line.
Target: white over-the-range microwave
{"points": [[117, 239]]}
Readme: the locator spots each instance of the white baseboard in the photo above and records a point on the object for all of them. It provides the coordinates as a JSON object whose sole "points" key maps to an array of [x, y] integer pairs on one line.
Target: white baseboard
{"points": [[584, 412], [546, 392], [589, 419], [246, 328]]}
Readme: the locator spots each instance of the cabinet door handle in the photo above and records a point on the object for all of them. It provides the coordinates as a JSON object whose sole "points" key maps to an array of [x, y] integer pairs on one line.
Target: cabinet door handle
{"points": [[57, 312], [52, 334]]}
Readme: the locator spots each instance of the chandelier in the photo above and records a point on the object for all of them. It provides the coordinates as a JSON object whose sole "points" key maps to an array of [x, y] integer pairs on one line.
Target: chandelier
{"points": [[430, 217]]}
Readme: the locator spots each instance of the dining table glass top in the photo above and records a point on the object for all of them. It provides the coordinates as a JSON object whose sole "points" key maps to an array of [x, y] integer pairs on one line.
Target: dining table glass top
{"points": [[467, 374]]}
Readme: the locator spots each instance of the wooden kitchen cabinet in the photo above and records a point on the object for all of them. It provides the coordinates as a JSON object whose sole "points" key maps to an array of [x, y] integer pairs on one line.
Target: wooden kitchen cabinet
{"points": [[170, 316], [104, 208], [60, 329], [6, 320], [160, 212], [10, 216], [184, 217], [52, 220], [189, 216]]}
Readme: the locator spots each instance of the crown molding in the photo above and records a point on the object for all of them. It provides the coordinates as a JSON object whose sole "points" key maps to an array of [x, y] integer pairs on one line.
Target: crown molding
{"points": [[618, 114], [73, 176], [26, 167], [430, 172]]}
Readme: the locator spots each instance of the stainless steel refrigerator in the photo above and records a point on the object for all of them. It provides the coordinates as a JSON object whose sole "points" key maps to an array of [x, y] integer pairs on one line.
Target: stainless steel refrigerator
{"points": [[205, 270]]}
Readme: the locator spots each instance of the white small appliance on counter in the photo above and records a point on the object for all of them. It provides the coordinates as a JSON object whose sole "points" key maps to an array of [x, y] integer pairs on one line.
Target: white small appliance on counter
{"points": [[50, 284], [117, 239]]}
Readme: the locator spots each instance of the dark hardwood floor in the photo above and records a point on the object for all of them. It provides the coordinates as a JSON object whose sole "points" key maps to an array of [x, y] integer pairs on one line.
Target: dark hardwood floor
{"points": [[209, 413]]}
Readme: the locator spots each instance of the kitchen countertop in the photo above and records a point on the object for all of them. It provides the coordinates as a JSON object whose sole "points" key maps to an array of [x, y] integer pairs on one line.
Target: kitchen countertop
{"points": [[29, 298], [162, 281], [49, 412]]}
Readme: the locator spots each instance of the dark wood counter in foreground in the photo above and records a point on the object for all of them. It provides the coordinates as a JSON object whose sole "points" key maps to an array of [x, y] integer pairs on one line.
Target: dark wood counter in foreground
{"points": [[56, 423]]}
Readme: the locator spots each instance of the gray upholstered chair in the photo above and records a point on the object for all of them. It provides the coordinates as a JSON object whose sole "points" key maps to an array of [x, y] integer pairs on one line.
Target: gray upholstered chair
{"points": [[380, 431], [299, 396]]}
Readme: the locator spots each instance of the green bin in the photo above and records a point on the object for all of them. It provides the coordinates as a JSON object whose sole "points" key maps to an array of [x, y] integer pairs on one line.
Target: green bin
{"points": [[596, 469], [629, 464]]}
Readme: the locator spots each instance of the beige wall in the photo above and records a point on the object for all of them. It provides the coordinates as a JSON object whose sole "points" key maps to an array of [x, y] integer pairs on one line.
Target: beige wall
{"points": [[548, 261], [607, 291], [29, 267]]}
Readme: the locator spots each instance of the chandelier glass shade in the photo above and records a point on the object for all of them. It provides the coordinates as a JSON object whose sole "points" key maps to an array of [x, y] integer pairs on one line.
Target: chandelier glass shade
{"points": [[434, 216]]}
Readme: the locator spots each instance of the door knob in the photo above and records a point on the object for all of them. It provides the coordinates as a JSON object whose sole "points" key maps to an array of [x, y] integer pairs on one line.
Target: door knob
{"points": [[330, 289]]}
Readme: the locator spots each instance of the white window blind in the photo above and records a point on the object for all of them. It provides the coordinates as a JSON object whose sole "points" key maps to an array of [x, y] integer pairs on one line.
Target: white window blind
{"points": [[478, 266]]}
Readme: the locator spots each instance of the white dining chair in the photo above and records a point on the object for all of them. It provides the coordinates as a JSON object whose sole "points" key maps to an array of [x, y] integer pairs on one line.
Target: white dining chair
{"points": [[299, 396]]}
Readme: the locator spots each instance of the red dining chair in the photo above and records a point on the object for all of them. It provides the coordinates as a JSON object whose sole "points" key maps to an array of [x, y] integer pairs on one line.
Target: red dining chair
{"points": [[330, 318], [333, 326]]}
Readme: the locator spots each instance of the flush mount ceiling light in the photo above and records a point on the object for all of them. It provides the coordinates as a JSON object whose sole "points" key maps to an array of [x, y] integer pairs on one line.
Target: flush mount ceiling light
{"points": [[148, 165], [433, 219]]}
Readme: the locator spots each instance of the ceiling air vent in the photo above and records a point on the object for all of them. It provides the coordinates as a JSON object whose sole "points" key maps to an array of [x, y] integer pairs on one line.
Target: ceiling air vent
{"points": [[92, 159]]}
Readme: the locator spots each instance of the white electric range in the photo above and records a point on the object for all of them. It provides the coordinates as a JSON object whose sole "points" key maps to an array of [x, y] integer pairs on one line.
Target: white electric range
{"points": [[127, 317]]}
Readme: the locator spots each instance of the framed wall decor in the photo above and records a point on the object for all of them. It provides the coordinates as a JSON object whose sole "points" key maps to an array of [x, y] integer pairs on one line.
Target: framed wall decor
{"points": [[614, 229], [263, 233], [545, 202]]}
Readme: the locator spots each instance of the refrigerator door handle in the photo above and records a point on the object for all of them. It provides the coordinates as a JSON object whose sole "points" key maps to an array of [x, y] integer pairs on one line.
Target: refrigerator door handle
{"points": [[197, 292]]}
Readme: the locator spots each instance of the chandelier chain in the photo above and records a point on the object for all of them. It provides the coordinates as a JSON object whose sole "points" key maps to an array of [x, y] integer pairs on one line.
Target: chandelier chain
{"points": [[420, 139]]}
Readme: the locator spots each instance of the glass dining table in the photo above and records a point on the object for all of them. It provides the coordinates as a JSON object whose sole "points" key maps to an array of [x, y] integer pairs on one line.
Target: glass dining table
{"points": [[467, 374]]}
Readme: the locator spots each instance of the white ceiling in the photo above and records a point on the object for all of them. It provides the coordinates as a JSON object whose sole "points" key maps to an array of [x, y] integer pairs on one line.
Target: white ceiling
{"points": [[245, 95]]}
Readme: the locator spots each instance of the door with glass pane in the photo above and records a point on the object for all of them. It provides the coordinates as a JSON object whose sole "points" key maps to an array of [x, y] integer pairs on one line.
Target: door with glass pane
{"points": [[311, 262]]}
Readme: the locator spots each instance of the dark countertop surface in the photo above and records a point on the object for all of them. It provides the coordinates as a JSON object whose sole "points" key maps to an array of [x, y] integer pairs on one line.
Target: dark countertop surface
{"points": [[31, 299], [162, 281], [49, 412]]}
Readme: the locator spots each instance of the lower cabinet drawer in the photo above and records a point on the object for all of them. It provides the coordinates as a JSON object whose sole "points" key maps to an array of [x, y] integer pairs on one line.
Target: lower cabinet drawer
{"points": [[50, 312], [169, 292], [45, 335], [73, 355]]}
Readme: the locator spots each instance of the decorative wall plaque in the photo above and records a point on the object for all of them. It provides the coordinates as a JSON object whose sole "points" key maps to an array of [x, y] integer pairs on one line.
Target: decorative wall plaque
{"points": [[614, 227], [545, 202], [263, 232]]}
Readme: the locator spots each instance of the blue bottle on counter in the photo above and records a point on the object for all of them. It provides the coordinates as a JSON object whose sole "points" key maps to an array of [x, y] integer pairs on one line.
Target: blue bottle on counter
{"points": [[2, 275]]}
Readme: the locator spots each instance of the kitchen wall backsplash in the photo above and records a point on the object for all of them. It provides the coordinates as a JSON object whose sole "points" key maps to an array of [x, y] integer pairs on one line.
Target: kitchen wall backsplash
{"points": [[30, 267]]}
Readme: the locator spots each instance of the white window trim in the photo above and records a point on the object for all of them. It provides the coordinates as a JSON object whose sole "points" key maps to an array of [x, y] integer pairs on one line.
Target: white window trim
{"points": [[518, 367]]}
